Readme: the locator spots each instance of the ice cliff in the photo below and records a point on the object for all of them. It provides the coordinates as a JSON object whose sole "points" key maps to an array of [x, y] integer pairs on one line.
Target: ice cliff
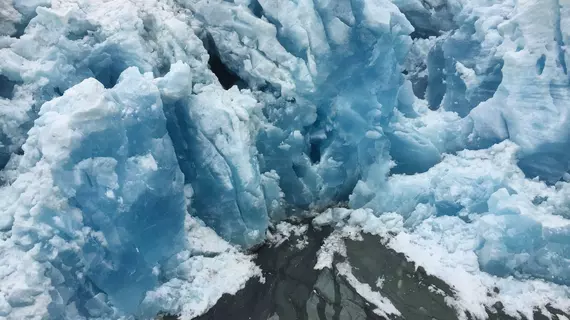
{"points": [[127, 127]]}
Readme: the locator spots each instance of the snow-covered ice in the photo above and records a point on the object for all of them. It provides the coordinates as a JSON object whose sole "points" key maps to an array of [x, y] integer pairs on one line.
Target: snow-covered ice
{"points": [[134, 133]]}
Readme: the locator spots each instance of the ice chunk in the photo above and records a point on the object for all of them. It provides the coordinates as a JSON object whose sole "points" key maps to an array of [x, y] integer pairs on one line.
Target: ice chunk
{"points": [[273, 195], [87, 144], [431, 17], [16, 14], [474, 44], [285, 230], [323, 123], [212, 134]]}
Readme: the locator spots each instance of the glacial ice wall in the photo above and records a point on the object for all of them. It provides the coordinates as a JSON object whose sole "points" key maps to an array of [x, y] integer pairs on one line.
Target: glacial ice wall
{"points": [[214, 148], [502, 75], [114, 113], [329, 72], [506, 74], [99, 175]]}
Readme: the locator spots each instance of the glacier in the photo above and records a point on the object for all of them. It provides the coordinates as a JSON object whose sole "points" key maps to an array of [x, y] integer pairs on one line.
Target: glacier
{"points": [[145, 145]]}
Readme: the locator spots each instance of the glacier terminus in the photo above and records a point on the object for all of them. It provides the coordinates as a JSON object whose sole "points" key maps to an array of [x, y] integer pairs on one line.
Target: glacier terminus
{"points": [[149, 147]]}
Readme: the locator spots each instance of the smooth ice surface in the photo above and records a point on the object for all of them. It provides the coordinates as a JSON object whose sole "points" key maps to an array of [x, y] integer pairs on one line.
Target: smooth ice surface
{"points": [[128, 128]]}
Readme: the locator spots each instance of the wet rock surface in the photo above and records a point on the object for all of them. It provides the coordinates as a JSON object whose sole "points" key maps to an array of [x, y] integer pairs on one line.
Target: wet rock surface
{"points": [[294, 290], [414, 293]]}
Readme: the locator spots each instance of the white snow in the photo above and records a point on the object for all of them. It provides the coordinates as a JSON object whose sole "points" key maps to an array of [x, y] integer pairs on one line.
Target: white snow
{"points": [[200, 275], [284, 230], [383, 304], [468, 75], [333, 244], [459, 268], [444, 248], [147, 162]]}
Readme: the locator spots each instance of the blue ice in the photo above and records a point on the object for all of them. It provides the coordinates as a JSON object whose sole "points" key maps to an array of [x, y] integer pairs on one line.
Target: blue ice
{"points": [[110, 111]]}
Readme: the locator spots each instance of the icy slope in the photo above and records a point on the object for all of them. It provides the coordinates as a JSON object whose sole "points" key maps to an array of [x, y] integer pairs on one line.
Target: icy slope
{"points": [[112, 112]]}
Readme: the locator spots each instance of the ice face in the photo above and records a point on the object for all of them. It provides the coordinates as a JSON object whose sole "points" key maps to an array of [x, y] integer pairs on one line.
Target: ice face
{"points": [[98, 185], [211, 133], [118, 121], [507, 74], [499, 85], [325, 121]]}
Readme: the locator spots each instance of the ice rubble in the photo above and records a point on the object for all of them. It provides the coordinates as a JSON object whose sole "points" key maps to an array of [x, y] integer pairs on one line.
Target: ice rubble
{"points": [[475, 221], [109, 112]]}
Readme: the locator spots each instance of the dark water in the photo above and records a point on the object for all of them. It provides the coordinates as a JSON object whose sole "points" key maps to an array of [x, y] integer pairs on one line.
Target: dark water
{"points": [[293, 290]]}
